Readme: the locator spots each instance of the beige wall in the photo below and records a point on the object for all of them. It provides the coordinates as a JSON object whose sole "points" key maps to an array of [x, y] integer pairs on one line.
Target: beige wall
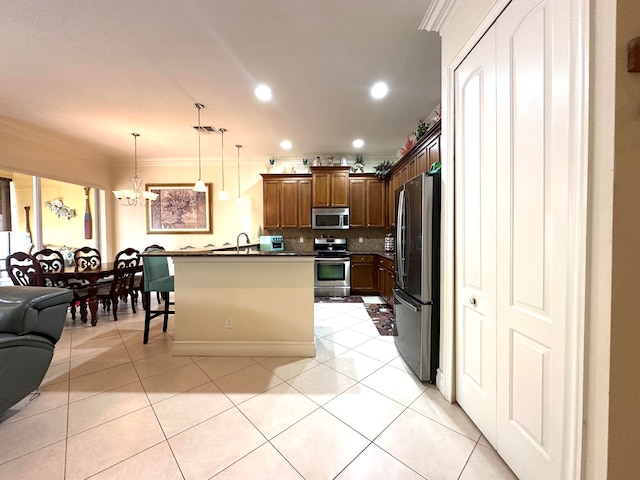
{"points": [[624, 412], [229, 219]]}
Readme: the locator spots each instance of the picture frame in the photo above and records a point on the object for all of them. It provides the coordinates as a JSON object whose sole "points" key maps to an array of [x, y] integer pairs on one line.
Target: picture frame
{"points": [[178, 209]]}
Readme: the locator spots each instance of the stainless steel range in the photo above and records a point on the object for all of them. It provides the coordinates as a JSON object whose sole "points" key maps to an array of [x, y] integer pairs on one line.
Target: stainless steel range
{"points": [[332, 270]]}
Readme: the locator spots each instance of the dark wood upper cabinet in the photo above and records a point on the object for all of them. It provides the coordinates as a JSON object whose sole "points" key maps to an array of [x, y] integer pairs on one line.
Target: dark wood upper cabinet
{"points": [[330, 186], [286, 201]]}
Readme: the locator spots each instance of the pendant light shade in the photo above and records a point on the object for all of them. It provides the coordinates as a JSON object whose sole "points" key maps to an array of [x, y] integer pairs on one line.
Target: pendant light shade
{"points": [[239, 199], [199, 186], [223, 194], [135, 195]]}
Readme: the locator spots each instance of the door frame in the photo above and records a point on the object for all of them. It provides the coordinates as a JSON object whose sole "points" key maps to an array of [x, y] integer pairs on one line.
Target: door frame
{"points": [[438, 18]]}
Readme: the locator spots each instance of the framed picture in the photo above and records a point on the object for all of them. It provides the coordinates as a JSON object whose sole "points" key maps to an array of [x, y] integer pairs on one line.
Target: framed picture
{"points": [[178, 209]]}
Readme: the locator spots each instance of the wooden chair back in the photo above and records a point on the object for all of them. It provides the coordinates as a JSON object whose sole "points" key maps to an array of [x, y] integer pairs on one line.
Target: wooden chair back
{"points": [[87, 258], [23, 269], [51, 261]]}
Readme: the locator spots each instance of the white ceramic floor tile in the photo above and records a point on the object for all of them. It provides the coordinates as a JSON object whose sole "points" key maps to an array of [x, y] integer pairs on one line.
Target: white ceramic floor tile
{"points": [[400, 386], [289, 367], [485, 464], [157, 345], [248, 382], [319, 446], [326, 349], [156, 463], [365, 410], [111, 357], [32, 433], [434, 451], [50, 397], [178, 380], [46, 463], [376, 464], [99, 448], [208, 448], [150, 366], [379, 348], [277, 409], [321, 384], [432, 404], [87, 385], [216, 367], [104, 407], [55, 374], [348, 338], [354, 365], [367, 328], [189, 408], [263, 461]]}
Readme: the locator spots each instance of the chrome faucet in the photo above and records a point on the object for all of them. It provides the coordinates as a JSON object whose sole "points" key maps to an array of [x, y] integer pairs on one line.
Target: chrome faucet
{"points": [[238, 241]]}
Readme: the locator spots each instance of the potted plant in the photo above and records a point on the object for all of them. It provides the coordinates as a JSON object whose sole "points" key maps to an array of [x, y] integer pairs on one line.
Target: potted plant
{"points": [[383, 169], [358, 167]]}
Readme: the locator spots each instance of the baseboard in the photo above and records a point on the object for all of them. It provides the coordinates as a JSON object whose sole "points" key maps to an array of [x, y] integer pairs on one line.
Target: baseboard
{"points": [[244, 349]]}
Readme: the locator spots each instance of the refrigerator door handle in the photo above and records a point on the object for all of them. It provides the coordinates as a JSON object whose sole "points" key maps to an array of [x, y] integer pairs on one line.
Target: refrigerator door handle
{"points": [[400, 238], [413, 308]]}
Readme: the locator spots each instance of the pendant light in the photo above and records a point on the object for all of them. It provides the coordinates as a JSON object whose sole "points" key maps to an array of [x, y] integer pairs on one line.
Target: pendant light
{"points": [[239, 199], [135, 195], [223, 194], [199, 186]]}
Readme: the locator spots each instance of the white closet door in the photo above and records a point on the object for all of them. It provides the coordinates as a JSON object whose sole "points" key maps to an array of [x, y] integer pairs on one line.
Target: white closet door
{"points": [[475, 166], [533, 243]]}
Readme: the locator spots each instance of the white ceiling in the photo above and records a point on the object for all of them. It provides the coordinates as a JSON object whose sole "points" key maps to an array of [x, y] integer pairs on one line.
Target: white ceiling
{"points": [[98, 70]]}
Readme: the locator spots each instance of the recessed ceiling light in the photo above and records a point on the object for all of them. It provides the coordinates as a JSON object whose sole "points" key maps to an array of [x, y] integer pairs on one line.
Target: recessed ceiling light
{"points": [[379, 90], [286, 144], [358, 143], [263, 93]]}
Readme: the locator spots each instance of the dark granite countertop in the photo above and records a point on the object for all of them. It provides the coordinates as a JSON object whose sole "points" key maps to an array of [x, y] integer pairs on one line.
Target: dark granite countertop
{"points": [[389, 255], [246, 250]]}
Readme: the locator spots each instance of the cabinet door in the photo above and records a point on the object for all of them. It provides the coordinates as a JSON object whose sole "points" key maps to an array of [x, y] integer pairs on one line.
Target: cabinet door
{"points": [[362, 281], [375, 203], [357, 202], [421, 161], [321, 189], [394, 183], [289, 204], [433, 152], [340, 189], [271, 203], [412, 168], [304, 203]]}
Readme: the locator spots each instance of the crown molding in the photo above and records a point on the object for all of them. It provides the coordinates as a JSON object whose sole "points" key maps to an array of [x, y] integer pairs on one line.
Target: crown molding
{"points": [[438, 15]]}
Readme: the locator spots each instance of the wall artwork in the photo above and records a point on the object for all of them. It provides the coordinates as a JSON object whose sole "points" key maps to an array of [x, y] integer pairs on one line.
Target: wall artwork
{"points": [[178, 209]]}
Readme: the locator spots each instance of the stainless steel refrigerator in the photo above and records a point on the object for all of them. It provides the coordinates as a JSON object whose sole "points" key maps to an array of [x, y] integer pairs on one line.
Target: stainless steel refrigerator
{"points": [[417, 269]]}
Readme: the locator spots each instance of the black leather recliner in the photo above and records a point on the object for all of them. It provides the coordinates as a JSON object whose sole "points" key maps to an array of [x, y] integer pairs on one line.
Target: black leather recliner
{"points": [[31, 322]]}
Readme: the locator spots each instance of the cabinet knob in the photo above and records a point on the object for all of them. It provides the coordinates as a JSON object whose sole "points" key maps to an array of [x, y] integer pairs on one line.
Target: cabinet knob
{"points": [[472, 301]]}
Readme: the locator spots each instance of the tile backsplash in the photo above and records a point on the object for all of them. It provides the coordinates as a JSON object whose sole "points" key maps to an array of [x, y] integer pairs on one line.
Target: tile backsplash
{"points": [[372, 238]]}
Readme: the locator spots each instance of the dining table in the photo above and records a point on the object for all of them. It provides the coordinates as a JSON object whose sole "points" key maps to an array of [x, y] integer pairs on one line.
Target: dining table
{"points": [[91, 280]]}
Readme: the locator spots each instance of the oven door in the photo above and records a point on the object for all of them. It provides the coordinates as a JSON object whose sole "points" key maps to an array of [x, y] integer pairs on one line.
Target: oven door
{"points": [[332, 276]]}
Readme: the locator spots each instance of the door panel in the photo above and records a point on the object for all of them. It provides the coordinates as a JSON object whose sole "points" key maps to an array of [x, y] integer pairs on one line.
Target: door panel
{"points": [[533, 220], [475, 158]]}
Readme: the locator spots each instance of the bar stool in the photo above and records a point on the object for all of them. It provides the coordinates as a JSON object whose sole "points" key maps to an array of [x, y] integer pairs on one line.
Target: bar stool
{"points": [[156, 279]]}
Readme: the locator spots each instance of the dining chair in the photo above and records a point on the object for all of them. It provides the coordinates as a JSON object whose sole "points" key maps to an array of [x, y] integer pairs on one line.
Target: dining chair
{"points": [[87, 258], [156, 279], [52, 261], [139, 282], [121, 287], [23, 269]]}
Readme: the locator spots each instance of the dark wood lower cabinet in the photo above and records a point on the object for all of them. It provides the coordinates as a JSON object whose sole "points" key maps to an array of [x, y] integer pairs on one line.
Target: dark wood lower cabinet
{"points": [[386, 279], [372, 274], [362, 275]]}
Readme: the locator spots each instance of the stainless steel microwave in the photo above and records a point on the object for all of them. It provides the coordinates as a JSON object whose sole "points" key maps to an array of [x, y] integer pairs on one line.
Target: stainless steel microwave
{"points": [[330, 218]]}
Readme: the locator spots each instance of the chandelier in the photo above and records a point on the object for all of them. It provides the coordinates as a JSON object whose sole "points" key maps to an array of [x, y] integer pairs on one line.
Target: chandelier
{"points": [[135, 195]]}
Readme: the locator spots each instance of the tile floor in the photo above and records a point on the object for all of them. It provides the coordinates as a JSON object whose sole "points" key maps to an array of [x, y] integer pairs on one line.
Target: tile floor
{"points": [[111, 407]]}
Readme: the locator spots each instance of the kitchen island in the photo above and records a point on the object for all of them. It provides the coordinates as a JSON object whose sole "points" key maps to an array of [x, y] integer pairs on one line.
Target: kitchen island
{"points": [[246, 303]]}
